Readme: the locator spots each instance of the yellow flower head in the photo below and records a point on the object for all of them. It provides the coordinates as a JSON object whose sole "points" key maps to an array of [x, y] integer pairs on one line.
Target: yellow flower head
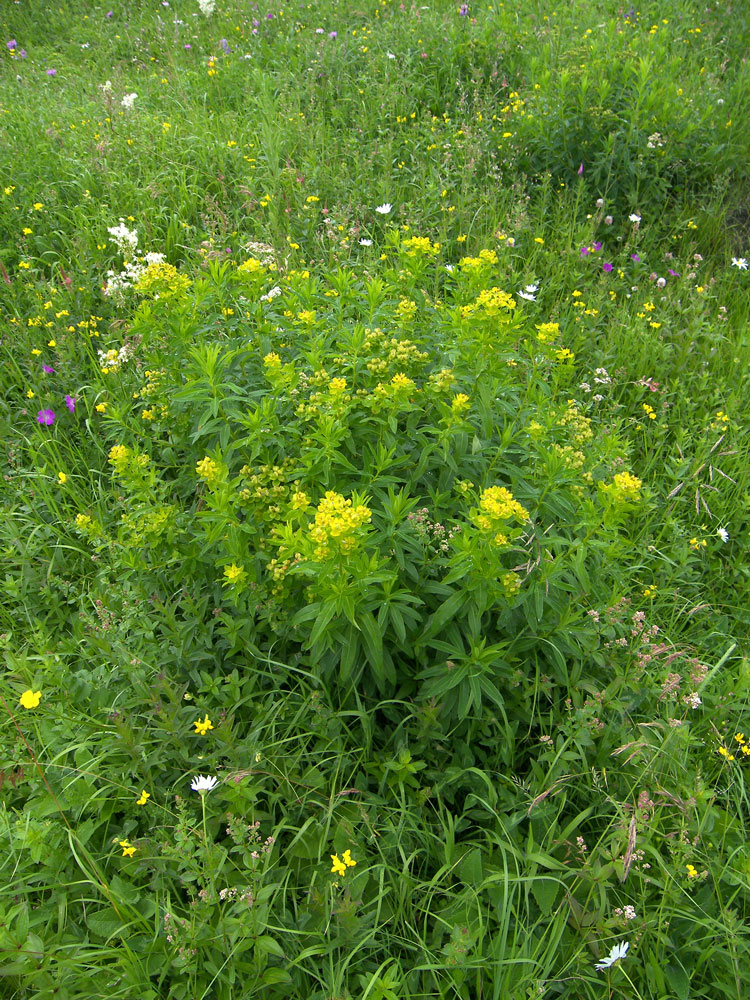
{"points": [[203, 727], [30, 699], [339, 868], [127, 848], [62, 478], [145, 796]]}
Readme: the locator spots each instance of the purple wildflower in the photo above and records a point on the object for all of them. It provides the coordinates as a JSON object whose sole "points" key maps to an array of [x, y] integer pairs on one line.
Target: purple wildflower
{"points": [[597, 246], [606, 266], [109, 13], [580, 171], [635, 257], [584, 251], [51, 72], [674, 274], [333, 34], [12, 44], [47, 369], [70, 402], [188, 46], [22, 53], [46, 417], [225, 46], [464, 9]]}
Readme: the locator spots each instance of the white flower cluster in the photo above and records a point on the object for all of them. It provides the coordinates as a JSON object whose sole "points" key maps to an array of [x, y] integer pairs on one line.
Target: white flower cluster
{"points": [[271, 295], [207, 7], [126, 239], [654, 141], [128, 101], [127, 243]]}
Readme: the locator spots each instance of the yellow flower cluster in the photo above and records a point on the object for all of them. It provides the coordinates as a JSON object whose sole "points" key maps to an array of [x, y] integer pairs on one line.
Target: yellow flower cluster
{"points": [[490, 301], [399, 389], [162, 279], [233, 575], [498, 504], [340, 866], [624, 486], [203, 726], [389, 351], [460, 403], [208, 470], [252, 266], [406, 310], [336, 521], [547, 332], [577, 422], [118, 455], [420, 246], [469, 264]]}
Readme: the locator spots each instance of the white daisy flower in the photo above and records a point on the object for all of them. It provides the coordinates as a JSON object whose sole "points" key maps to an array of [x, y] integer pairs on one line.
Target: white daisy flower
{"points": [[365, 243], [723, 534], [618, 952], [527, 295], [740, 262], [635, 217], [384, 209], [201, 785]]}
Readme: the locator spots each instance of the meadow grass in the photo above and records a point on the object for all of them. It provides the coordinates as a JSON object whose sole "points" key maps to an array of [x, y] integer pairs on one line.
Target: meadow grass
{"points": [[375, 443]]}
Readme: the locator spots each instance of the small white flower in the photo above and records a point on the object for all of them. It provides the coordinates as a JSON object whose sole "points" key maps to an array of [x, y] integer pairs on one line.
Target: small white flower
{"points": [[585, 386], [635, 217], [365, 243], [661, 282], [271, 294], [527, 295], [723, 534], [618, 951], [600, 202], [320, 31], [692, 700], [740, 262], [450, 268], [598, 397], [390, 55], [384, 209], [511, 241], [531, 289], [106, 88], [207, 7], [128, 101], [200, 784]]}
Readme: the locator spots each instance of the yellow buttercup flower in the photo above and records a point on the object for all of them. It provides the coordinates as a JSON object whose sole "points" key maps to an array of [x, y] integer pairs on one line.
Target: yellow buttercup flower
{"points": [[145, 796], [30, 699], [127, 848]]}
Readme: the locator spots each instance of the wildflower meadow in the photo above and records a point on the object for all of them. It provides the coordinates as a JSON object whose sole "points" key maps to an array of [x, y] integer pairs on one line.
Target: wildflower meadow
{"points": [[375, 500]]}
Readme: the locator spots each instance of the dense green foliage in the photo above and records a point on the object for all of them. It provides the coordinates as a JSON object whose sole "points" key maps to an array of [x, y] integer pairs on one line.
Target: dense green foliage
{"points": [[375, 443]]}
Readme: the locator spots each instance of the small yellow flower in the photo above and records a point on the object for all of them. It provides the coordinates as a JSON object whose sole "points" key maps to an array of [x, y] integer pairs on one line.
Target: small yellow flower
{"points": [[692, 871], [29, 393], [127, 848], [348, 859], [101, 407], [339, 868], [62, 478], [145, 796], [725, 753], [739, 737], [234, 574], [202, 728], [30, 699]]}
